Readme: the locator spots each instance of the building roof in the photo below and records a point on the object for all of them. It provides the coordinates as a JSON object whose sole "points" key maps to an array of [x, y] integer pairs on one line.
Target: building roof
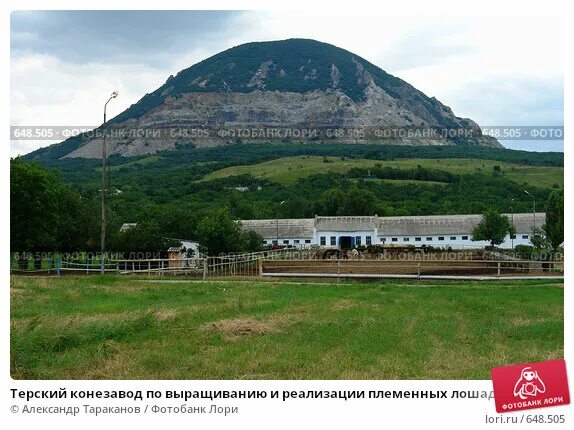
{"points": [[281, 228], [386, 226], [127, 225], [447, 224], [345, 223]]}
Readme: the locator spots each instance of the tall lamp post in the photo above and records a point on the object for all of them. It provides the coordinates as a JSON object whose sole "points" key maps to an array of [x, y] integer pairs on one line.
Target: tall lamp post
{"points": [[277, 225], [103, 237], [512, 222], [533, 209]]}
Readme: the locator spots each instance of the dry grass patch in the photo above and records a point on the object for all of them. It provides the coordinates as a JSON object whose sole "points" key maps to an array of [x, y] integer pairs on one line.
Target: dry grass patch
{"points": [[342, 305], [165, 314], [523, 321], [239, 327], [118, 361]]}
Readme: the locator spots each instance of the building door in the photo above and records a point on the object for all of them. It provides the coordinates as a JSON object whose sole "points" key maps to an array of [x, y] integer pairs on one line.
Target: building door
{"points": [[345, 242]]}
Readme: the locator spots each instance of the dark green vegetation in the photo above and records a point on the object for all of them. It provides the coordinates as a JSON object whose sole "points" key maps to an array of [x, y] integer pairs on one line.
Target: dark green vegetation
{"points": [[170, 193], [45, 213], [554, 227], [124, 328]]}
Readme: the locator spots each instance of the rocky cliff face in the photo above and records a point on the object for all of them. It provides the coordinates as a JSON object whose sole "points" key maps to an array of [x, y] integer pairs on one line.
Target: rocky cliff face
{"points": [[271, 91]]}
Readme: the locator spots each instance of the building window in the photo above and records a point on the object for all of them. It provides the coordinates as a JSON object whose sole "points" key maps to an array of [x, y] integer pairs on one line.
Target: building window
{"points": [[464, 237], [286, 242], [418, 239], [453, 238], [429, 239], [524, 236], [296, 241], [274, 242], [383, 239], [405, 239], [323, 240], [368, 240], [441, 238], [513, 236], [394, 239], [307, 240], [358, 240]]}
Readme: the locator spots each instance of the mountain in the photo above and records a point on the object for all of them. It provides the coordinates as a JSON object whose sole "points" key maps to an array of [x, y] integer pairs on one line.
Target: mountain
{"points": [[276, 91]]}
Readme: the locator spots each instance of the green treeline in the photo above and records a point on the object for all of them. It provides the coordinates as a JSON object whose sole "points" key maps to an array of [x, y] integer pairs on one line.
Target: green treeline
{"points": [[46, 213]]}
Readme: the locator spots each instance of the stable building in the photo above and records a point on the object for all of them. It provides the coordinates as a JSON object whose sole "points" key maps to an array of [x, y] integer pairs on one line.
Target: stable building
{"points": [[345, 232]]}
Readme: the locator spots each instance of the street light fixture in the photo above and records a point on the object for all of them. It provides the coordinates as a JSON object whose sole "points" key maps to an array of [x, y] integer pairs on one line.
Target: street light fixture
{"points": [[533, 209], [103, 236]]}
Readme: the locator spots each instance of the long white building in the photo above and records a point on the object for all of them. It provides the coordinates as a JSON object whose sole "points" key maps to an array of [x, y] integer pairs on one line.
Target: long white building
{"points": [[454, 231]]}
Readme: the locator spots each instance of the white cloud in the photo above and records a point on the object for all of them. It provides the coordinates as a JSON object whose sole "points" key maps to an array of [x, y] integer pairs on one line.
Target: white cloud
{"points": [[49, 92]]}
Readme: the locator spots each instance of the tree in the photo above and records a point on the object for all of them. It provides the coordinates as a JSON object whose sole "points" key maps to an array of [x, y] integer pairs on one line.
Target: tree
{"points": [[359, 202], [252, 241], [331, 201], [220, 233], [493, 227], [538, 238], [45, 213], [145, 238], [554, 225], [496, 170]]}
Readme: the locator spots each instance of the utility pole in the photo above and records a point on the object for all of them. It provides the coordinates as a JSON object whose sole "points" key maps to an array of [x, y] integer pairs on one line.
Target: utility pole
{"points": [[104, 156]]}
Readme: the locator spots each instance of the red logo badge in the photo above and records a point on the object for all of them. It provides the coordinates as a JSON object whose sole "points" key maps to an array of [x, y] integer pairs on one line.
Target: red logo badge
{"points": [[529, 386]]}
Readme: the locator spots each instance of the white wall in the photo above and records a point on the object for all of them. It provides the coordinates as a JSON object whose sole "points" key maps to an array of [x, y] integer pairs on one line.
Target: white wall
{"points": [[457, 243], [291, 241], [337, 234]]}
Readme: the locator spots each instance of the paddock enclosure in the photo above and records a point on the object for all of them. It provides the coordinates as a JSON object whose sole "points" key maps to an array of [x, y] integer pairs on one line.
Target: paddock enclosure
{"points": [[294, 263]]}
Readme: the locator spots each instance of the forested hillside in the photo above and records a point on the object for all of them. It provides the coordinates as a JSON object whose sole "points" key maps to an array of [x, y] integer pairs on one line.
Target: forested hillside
{"points": [[169, 194]]}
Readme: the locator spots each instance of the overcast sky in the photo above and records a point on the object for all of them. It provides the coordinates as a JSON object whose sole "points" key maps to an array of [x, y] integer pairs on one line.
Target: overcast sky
{"points": [[499, 72]]}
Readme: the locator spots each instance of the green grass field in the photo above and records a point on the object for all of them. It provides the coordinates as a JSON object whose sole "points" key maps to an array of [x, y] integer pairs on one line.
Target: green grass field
{"points": [[129, 328], [289, 169]]}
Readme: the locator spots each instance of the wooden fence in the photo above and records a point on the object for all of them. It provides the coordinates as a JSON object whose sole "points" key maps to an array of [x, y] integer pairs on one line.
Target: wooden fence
{"points": [[303, 263], [422, 269]]}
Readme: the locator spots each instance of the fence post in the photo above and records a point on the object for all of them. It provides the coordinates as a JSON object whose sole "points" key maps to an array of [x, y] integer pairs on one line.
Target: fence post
{"points": [[58, 267], [498, 269], [205, 267], [419, 270], [260, 267]]}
